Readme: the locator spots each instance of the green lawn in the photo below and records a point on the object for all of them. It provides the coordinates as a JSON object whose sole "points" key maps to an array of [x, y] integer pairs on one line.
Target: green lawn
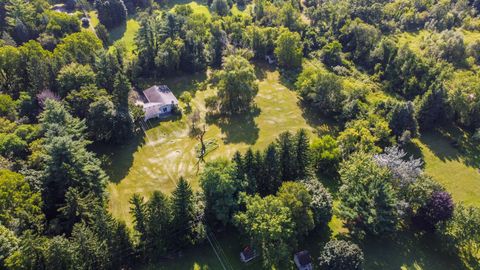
{"points": [[450, 167], [405, 251], [124, 35], [157, 160]]}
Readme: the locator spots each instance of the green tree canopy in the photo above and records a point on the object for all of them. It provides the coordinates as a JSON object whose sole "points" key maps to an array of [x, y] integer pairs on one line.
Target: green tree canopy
{"points": [[288, 50], [237, 85]]}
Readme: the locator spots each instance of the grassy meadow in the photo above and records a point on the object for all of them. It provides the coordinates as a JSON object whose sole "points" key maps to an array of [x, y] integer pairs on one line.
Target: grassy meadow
{"points": [[166, 152], [156, 159]]}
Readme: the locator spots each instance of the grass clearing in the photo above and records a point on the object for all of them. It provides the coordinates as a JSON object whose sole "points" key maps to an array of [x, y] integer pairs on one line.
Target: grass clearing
{"points": [[93, 18], [450, 167], [157, 160], [124, 35], [200, 9]]}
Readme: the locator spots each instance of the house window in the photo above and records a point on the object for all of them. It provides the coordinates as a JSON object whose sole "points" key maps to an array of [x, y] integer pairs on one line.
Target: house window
{"points": [[164, 109]]}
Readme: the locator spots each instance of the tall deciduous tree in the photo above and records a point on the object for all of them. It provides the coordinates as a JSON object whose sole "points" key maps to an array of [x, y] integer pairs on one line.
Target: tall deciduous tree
{"points": [[20, 206], [73, 77], [220, 191], [268, 223], [289, 50], [111, 13], [367, 198], [296, 197], [322, 89], [237, 85]]}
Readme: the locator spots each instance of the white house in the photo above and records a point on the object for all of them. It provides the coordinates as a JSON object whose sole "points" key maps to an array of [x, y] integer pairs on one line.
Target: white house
{"points": [[157, 101], [303, 261]]}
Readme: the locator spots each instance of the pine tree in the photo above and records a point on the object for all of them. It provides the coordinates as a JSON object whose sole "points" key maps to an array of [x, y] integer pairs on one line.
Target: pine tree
{"points": [[116, 237], [271, 170], [138, 212], [287, 156], [183, 213], [158, 225], [258, 171], [238, 171], [123, 125], [106, 68], [121, 89], [431, 107], [67, 163], [403, 119], [250, 168], [302, 146]]}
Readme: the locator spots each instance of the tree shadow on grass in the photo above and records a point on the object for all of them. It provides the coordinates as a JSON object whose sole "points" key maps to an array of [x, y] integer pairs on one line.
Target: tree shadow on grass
{"points": [[331, 183], [467, 147], [443, 146], [177, 84], [237, 128], [154, 122], [117, 159], [322, 123], [117, 32], [288, 78], [414, 151], [261, 69], [408, 250], [315, 242]]}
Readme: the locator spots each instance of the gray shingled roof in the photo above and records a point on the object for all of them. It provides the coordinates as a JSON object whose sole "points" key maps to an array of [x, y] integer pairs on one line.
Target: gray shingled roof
{"points": [[160, 94]]}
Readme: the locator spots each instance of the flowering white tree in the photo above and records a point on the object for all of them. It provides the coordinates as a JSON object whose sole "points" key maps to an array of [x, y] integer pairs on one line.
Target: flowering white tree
{"points": [[404, 171]]}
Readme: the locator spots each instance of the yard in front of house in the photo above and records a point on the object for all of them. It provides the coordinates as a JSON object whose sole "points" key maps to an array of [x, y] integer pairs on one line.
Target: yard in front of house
{"points": [[156, 160]]}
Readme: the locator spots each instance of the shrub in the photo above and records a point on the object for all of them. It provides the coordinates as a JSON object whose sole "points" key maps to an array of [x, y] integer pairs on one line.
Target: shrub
{"points": [[341, 255]]}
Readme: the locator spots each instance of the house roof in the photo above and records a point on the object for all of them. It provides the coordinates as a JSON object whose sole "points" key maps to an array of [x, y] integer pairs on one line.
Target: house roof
{"points": [[160, 94], [248, 252], [304, 257]]}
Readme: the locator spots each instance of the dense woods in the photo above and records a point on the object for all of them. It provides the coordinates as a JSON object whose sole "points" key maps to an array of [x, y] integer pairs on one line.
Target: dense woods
{"points": [[66, 88]]}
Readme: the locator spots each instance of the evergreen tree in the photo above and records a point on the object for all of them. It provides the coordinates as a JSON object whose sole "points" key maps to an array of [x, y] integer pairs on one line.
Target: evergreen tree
{"points": [[183, 213], [138, 212], [116, 236], [403, 119], [431, 107], [258, 159], [107, 67], [158, 224], [302, 147], [250, 168], [90, 252], [67, 163], [78, 207], [287, 156], [123, 124], [271, 171], [239, 171]]}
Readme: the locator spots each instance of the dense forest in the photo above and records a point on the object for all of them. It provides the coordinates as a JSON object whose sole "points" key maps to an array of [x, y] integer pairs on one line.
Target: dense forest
{"points": [[384, 71]]}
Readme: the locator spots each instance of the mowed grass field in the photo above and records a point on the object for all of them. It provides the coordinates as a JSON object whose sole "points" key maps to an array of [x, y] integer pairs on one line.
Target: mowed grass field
{"points": [[155, 160], [166, 152], [450, 167]]}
